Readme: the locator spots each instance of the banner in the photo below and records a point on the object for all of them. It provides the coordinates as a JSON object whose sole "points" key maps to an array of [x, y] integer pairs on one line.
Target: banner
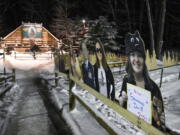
{"points": [[32, 31], [139, 102]]}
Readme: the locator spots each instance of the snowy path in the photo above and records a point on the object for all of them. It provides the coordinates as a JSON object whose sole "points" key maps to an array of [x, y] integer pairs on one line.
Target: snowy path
{"points": [[171, 91], [30, 117]]}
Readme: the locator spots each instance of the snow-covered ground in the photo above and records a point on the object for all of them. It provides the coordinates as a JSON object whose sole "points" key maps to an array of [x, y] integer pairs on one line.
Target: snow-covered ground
{"points": [[10, 100], [171, 94], [7, 104], [43, 63], [80, 120], [170, 78]]}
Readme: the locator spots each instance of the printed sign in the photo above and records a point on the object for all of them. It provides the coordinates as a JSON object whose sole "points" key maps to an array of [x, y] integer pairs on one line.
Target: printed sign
{"points": [[139, 102], [32, 31]]}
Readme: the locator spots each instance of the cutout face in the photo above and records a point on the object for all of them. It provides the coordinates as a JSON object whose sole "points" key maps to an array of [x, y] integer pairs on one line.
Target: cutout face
{"points": [[99, 51], [137, 62]]}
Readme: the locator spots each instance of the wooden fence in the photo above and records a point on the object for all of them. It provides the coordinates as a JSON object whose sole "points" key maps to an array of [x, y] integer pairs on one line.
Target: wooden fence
{"points": [[4, 79], [141, 124]]}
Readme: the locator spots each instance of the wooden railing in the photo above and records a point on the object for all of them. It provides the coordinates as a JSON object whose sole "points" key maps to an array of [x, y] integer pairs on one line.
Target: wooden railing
{"points": [[162, 71], [141, 124], [113, 105], [4, 79], [32, 55]]}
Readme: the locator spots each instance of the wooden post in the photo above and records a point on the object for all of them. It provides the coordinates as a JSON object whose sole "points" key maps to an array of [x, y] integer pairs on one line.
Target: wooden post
{"points": [[14, 75], [4, 55], [71, 96], [120, 69], [56, 79], [5, 76], [161, 77], [51, 55], [4, 70], [34, 55], [150, 25], [179, 75]]}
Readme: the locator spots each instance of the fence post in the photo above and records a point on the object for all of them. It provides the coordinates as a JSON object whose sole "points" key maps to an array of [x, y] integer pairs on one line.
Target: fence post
{"points": [[179, 75], [4, 70], [14, 75], [161, 77], [120, 69], [56, 79], [34, 55], [71, 96], [4, 55], [51, 55]]}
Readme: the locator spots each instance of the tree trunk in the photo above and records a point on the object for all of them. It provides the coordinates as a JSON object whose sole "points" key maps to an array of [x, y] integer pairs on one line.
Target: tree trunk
{"points": [[150, 26], [112, 10], [128, 14], [161, 30], [134, 15], [141, 16]]}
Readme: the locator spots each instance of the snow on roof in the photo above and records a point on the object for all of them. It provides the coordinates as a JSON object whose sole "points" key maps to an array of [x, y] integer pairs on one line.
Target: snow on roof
{"points": [[30, 24]]}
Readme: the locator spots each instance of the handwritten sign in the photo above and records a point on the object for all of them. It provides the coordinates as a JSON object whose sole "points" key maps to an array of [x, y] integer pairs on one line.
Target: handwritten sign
{"points": [[139, 102]]}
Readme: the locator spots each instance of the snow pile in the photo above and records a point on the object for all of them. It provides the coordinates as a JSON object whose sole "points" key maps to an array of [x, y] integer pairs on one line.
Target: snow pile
{"points": [[118, 69], [171, 93], [117, 122], [40, 65], [159, 63], [169, 74], [167, 78], [29, 55], [8, 103]]}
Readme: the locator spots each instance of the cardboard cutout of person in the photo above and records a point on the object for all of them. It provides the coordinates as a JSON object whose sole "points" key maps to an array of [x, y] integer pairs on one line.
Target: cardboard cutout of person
{"points": [[103, 76], [137, 74], [61, 62], [87, 68], [75, 68]]}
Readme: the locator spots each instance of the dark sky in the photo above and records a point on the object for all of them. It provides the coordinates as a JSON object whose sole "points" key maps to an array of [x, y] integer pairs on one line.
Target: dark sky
{"points": [[14, 12]]}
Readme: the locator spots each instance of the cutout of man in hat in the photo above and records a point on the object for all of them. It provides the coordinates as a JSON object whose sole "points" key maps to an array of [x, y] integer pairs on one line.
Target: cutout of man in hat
{"points": [[87, 68]]}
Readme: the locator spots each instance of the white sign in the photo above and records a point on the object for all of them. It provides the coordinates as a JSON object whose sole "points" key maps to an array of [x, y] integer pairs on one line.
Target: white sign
{"points": [[139, 102]]}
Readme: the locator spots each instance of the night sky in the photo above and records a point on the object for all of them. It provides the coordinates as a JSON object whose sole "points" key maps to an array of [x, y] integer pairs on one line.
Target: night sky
{"points": [[13, 12]]}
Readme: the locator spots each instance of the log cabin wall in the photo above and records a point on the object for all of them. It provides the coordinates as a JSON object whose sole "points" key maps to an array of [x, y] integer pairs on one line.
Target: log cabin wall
{"points": [[16, 40]]}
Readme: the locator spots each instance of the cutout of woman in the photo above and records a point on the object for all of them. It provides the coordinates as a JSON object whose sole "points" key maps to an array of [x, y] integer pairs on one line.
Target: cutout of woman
{"points": [[137, 74], [103, 76]]}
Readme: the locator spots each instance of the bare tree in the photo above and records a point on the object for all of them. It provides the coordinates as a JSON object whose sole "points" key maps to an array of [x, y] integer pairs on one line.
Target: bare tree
{"points": [[64, 27], [150, 25], [160, 33]]}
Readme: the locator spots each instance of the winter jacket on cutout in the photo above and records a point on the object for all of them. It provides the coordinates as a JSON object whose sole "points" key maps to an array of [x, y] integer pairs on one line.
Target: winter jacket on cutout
{"points": [[109, 81], [88, 75]]}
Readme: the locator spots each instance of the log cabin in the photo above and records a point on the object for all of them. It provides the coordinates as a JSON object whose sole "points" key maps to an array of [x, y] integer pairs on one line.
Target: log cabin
{"points": [[24, 37]]}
